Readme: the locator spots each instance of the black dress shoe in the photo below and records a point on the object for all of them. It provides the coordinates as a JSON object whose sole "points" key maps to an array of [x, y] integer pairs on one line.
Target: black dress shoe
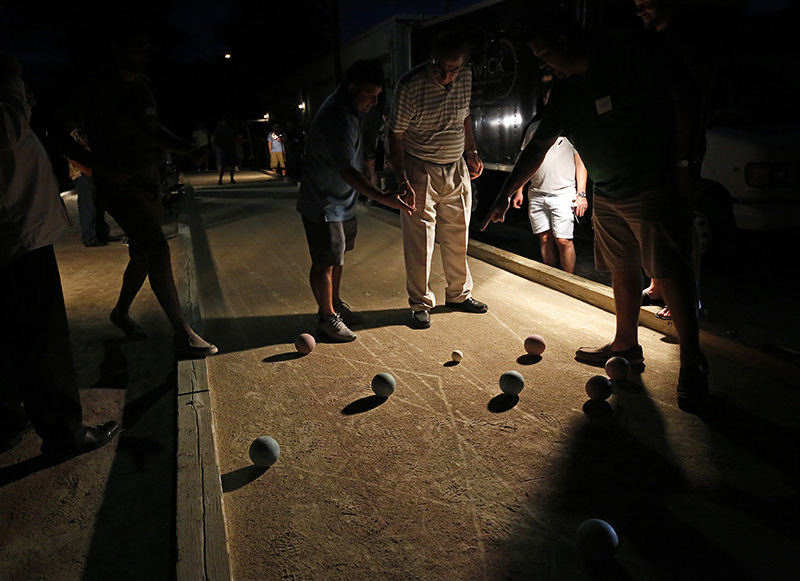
{"points": [[92, 438], [468, 306], [12, 436]]}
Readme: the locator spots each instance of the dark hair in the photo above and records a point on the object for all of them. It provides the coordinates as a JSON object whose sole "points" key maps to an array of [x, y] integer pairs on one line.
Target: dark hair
{"points": [[449, 44], [561, 31], [365, 71]]}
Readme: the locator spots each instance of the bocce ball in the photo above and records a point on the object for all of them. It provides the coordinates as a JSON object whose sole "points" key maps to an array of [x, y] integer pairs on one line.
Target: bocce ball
{"points": [[305, 343], [596, 539], [617, 368], [383, 384], [457, 356], [535, 345], [598, 387], [264, 451], [512, 382]]}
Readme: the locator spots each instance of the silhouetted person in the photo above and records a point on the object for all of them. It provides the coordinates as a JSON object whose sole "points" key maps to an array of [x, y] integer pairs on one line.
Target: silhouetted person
{"points": [[37, 367], [128, 143], [225, 141], [202, 142], [688, 70], [610, 104], [91, 213]]}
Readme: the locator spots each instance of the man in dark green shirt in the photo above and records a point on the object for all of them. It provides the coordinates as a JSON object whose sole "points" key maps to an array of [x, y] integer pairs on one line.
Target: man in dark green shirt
{"points": [[612, 106]]}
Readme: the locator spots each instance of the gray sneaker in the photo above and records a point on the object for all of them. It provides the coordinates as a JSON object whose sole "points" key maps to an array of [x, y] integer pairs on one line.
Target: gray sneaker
{"points": [[347, 313], [334, 329], [420, 319]]}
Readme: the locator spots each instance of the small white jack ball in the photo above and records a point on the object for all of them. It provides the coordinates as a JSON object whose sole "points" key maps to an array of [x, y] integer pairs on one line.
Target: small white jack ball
{"points": [[457, 356]]}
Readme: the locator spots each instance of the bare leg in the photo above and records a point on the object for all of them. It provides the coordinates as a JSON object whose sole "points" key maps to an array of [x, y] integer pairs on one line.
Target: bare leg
{"points": [[336, 281], [132, 281], [547, 246], [163, 285], [654, 290], [566, 252], [680, 296], [321, 279], [627, 300]]}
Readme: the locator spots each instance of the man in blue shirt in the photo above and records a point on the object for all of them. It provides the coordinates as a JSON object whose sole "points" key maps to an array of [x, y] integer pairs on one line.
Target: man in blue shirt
{"points": [[330, 188]]}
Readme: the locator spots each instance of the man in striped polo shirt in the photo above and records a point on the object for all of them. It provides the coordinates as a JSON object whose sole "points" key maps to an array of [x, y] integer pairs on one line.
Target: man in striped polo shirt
{"points": [[433, 153]]}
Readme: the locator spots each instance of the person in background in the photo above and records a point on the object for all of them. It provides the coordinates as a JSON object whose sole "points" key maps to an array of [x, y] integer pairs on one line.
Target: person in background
{"points": [[556, 196], [91, 214], [225, 142], [202, 143], [277, 159]]}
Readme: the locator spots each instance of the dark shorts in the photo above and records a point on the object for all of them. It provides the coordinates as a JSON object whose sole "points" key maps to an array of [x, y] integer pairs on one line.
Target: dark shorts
{"points": [[328, 241], [138, 211], [651, 230]]}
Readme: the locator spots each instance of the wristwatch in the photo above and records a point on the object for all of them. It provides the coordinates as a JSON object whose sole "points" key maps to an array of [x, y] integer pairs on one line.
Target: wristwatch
{"points": [[581, 194]]}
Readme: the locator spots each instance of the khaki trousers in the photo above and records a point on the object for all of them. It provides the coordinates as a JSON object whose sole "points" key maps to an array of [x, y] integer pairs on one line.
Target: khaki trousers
{"points": [[444, 202]]}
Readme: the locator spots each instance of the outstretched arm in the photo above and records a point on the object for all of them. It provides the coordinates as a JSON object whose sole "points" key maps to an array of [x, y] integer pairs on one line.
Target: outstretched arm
{"points": [[359, 182], [529, 161]]}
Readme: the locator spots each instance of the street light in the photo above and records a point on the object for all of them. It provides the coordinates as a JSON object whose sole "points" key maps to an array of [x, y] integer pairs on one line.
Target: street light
{"points": [[266, 116], [302, 106], [227, 55]]}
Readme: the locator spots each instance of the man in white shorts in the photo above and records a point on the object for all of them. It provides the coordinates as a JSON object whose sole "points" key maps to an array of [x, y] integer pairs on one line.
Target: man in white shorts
{"points": [[557, 194]]}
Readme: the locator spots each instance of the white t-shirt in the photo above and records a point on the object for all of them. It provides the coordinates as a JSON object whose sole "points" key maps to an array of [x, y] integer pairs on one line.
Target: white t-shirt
{"points": [[556, 175]]}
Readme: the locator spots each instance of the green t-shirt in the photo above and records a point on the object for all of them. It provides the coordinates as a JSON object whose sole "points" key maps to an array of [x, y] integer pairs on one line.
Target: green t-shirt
{"points": [[619, 118]]}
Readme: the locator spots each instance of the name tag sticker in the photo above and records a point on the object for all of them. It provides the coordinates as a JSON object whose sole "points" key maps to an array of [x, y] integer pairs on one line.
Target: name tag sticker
{"points": [[603, 104]]}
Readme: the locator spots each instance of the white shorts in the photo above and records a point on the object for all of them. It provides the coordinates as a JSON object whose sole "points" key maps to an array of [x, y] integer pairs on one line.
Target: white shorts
{"points": [[551, 212]]}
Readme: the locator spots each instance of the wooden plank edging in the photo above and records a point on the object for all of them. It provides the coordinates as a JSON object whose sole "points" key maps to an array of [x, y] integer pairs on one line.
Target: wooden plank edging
{"points": [[202, 548], [588, 291]]}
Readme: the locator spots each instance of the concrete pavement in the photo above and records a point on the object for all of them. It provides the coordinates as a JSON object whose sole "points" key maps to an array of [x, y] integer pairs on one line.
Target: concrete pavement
{"points": [[478, 488], [446, 479]]}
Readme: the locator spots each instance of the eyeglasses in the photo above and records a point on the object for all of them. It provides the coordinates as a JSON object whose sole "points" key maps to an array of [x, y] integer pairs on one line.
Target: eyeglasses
{"points": [[445, 70]]}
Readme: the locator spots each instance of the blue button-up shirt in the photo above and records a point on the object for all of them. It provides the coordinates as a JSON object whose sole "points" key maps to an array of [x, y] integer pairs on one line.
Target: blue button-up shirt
{"points": [[333, 143]]}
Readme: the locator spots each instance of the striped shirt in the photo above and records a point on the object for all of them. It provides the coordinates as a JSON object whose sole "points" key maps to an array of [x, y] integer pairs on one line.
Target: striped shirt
{"points": [[430, 116]]}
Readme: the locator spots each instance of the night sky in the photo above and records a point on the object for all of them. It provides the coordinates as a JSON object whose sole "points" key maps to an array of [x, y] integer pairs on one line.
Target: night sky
{"points": [[64, 46]]}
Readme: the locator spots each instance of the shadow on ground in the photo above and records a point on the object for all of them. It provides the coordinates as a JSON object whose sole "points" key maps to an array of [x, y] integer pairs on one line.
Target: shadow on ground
{"points": [[622, 468]]}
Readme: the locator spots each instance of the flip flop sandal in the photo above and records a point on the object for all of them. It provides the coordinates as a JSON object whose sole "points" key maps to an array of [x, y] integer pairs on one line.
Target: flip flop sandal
{"points": [[647, 300], [664, 314]]}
